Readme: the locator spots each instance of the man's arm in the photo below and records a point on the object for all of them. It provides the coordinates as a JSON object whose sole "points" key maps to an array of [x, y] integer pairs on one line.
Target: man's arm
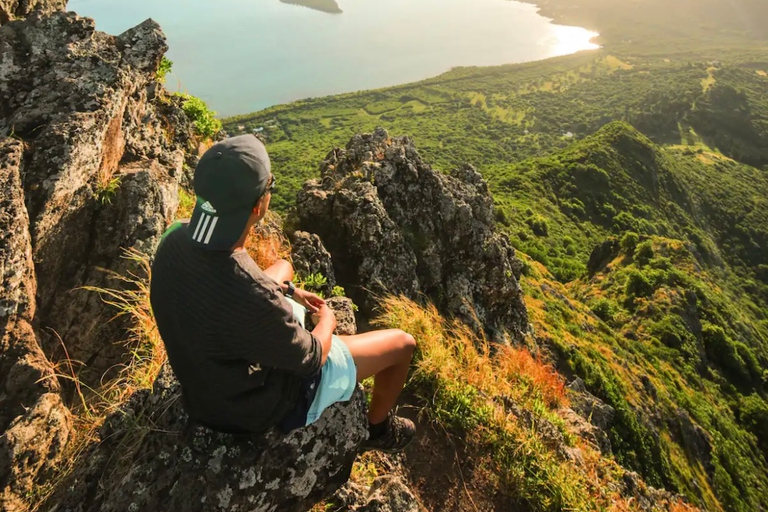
{"points": [[325, 324]]}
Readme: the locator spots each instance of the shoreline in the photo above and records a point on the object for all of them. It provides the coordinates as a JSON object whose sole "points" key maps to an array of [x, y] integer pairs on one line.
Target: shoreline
{"points": [[539, 10]]}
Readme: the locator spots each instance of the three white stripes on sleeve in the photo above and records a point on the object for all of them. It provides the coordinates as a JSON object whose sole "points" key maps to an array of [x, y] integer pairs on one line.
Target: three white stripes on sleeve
{"points": [[203, 231]]}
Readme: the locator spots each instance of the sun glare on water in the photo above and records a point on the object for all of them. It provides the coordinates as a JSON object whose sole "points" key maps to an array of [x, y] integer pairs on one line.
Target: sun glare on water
{"points": [[566, 40]]}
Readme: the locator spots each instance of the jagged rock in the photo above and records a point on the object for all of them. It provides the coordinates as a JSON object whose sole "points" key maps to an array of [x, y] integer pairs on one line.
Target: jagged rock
{"points": [[597, 412], [152, 458], [390, 494], [102, 170], [16, 269], [87, 170], [310, 256], [16, 9], [394, 225], [34, 421], [386, 494], [30, 448], [344, 310]]}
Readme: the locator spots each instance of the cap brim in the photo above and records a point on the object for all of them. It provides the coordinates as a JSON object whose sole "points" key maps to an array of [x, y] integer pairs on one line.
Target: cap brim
{"points": [[217, 232]]}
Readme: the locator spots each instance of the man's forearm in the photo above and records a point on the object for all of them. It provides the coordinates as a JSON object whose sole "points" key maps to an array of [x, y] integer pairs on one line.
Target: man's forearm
{"points": [[323, 331]]}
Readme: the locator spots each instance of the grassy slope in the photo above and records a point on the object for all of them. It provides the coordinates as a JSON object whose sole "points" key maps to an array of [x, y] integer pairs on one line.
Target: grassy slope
{"points": [[682, 347]]}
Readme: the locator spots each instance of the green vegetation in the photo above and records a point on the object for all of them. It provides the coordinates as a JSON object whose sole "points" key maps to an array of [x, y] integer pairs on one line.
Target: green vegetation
{"points": [[203, 118], [465, 388], [107, 189], [634, 182], [166, 65]]}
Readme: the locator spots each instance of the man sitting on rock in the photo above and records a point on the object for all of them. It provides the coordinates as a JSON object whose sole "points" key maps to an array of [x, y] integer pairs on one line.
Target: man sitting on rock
{"points": [[234, 333]]}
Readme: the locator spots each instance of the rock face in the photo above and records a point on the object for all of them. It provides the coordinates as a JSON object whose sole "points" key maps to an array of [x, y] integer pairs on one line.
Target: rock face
{"points": [[158, 460], [310, 256], [101, 172], [396, 226], [16, 9], [87, 170]]}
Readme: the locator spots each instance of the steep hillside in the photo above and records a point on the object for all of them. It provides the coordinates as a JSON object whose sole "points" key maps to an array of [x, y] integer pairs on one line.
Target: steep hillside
{"points": [[660, 232], [491, 117]]}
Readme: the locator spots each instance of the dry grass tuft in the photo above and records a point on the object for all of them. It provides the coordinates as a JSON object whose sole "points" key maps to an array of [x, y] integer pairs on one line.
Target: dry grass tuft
{"points": [[267, 243], [447, 349]]}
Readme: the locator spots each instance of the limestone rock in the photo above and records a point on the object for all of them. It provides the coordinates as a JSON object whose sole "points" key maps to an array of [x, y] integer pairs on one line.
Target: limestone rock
{"points": [[154, 459], [396, 226], [16, 9]]}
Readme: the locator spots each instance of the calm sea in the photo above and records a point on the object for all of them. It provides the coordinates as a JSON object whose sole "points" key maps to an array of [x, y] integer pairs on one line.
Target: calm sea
{"points": [[244, 55]]}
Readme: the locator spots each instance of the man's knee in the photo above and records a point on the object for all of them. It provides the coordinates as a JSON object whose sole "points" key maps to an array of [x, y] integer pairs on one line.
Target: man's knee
{"points": [[408, 342], [286, 269]]}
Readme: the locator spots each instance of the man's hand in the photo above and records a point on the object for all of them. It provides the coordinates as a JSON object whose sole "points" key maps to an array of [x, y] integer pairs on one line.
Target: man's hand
{"points": [[324, 317], [309, 300]]}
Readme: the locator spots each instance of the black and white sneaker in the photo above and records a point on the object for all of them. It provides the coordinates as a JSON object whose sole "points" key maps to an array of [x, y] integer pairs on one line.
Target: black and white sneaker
{"points": [[399, 434]]}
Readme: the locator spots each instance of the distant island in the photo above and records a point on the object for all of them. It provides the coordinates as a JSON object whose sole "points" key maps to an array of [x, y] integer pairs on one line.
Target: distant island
{"points": [[329, 6]]}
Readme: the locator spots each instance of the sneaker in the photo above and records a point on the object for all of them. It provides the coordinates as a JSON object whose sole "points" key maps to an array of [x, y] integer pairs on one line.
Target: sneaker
{"points": [[399, 434]]}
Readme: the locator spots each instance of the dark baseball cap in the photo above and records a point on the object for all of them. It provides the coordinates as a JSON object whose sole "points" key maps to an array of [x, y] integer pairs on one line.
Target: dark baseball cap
{"points": [[229, 179]]}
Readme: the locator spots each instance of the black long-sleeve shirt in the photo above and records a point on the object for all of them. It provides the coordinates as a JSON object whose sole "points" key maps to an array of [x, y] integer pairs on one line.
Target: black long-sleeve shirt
{"points": [[231, 336]]}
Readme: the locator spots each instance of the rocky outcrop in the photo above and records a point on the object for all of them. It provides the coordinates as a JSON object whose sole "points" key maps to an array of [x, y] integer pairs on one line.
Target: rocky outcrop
{"points": [[396, 226], [34, 423], [101, 172], [17, 9], [598, 413], [151, 457], [87, 171]]}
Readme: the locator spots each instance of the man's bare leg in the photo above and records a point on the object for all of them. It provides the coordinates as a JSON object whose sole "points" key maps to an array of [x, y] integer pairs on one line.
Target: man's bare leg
{"points": [[386, 355], [280, 271]]}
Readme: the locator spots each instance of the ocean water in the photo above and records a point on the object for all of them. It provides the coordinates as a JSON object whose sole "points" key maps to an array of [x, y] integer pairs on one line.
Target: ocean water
{"points": [[244, 55]]}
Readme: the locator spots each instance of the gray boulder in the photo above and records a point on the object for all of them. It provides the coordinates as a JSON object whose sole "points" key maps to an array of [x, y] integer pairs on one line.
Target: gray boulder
{"points": [[396, 226], [152, 458]]}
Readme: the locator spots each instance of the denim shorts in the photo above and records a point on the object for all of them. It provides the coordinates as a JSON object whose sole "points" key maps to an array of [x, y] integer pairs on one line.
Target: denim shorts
{"points": [[339, 373]]}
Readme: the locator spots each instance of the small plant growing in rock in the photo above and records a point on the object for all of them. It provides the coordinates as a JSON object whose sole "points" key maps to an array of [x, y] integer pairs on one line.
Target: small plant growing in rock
{"points": [[315, 283], [106, 190], [166, 65], [203, 117]]}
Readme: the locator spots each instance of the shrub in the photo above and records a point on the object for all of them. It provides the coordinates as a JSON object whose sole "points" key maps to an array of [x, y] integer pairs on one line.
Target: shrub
{"points": [[736, 360], [203, 118], [671, 331], [638, 284], [644, 252], [538, 225], [754, 415], [629, 241], [604, 309]]}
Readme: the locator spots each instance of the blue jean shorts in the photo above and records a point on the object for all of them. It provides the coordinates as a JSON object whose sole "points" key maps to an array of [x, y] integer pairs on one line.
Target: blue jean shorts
{"points": [[339, 373]]}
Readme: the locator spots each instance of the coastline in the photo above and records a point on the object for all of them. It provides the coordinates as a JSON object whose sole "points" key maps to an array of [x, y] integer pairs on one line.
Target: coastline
{"points": [[326, 6]]}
